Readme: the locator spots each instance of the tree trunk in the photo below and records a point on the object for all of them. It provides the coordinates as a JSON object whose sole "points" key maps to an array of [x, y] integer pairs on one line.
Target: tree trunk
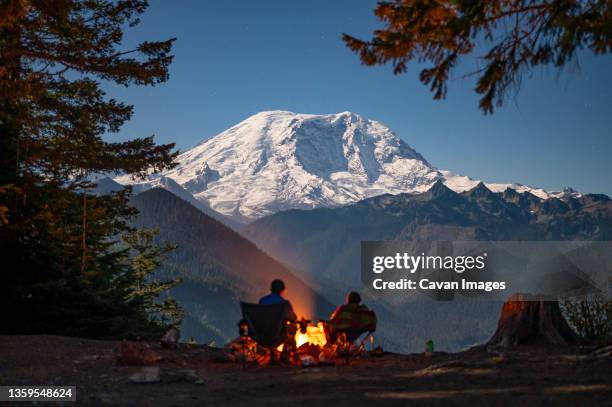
{"points": [[84, 234], [528, 320]]}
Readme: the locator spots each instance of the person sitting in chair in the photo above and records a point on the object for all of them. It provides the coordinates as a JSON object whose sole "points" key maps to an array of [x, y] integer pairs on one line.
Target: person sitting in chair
{"points": [[352, 316], [277, 287]]}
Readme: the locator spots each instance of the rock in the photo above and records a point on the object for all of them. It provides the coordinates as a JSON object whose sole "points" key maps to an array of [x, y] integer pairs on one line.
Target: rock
{"points": [[148, 374], [308, 361], [178, 376], [170, 338], [325, 360]]}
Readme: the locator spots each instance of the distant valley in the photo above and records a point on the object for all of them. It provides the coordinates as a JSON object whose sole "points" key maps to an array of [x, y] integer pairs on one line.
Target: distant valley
{"points": [[219, 268]]}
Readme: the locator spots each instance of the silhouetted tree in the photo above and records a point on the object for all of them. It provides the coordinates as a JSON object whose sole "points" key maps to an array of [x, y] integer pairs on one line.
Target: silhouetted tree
{"points": [[514, 36], [60, 261]]}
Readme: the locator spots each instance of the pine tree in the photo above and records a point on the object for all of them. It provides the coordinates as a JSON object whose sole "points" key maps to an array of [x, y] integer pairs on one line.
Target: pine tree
{"points": [[145, 258], [61, 263], [517, 35]]}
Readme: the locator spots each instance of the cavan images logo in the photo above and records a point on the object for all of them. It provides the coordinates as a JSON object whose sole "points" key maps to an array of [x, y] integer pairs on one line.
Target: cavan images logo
{"points": [[486, 270]]}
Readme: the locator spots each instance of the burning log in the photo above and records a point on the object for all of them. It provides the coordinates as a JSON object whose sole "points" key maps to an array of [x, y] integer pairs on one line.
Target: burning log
{"points": [[311, 334], [527, 320], [313, 347], [307, 345], [309, 349]]}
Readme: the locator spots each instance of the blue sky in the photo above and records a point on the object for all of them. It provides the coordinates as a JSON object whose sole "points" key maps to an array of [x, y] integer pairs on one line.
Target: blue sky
{"points": [[236, 58]]}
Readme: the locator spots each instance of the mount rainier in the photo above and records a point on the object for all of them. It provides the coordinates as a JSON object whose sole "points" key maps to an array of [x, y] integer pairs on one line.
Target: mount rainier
{"points": [[278, 160]]}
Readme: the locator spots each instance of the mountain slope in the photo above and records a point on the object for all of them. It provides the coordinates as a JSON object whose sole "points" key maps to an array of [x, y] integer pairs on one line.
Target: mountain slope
{"points": [[219, 267], [325, 244], [172, 186], [275, 161], [326, 241]]}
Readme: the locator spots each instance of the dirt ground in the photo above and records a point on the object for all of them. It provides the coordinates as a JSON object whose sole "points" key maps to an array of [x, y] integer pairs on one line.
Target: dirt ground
{"points": [[477, 377]]}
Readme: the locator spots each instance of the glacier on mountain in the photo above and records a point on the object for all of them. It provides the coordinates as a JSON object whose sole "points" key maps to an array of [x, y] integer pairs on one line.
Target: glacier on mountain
{"points": [[278, 160]]}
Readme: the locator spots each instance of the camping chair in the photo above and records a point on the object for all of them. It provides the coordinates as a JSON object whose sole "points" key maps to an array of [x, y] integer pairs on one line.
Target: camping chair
{"points": [[360, 329], [266, 324]]}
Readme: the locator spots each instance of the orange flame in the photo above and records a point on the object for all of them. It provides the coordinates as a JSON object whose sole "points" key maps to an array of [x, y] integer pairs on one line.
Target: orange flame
{"points": [[315, 335]]}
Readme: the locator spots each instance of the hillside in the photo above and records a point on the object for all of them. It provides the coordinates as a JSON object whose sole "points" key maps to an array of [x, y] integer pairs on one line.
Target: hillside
{"points": [[219, 267]]}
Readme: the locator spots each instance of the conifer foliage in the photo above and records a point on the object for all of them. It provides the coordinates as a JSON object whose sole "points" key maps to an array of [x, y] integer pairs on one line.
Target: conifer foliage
{"points": [[146, 257], [61, 266], [510, 36]]}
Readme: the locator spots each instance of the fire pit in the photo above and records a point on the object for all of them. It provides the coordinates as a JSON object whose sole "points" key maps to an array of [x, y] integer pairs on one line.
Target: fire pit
{"points": [[312, 344], [308, 344], [302, 343]]}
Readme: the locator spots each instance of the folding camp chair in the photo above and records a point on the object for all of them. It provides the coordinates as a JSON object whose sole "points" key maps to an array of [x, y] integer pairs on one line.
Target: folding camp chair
{"points": [[363, 322], [266, 324], [348, 337]]}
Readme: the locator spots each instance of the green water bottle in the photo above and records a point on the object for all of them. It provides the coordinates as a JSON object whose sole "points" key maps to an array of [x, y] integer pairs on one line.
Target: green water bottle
{"points": [[429, 346]]}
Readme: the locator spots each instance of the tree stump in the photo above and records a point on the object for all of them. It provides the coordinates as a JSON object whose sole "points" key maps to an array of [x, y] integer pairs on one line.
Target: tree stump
{"points": [[527, 320]]}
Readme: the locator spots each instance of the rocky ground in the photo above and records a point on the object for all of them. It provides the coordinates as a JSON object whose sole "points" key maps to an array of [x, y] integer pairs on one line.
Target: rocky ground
{"points": [[190, 376]]}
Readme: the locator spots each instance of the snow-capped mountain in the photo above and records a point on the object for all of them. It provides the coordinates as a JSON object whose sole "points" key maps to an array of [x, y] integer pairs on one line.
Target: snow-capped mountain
{"points": [[279, 160]]}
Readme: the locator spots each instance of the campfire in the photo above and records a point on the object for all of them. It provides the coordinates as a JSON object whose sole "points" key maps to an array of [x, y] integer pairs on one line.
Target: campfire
{"points": [[302, 342], [313, 335], [312, 346]]}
